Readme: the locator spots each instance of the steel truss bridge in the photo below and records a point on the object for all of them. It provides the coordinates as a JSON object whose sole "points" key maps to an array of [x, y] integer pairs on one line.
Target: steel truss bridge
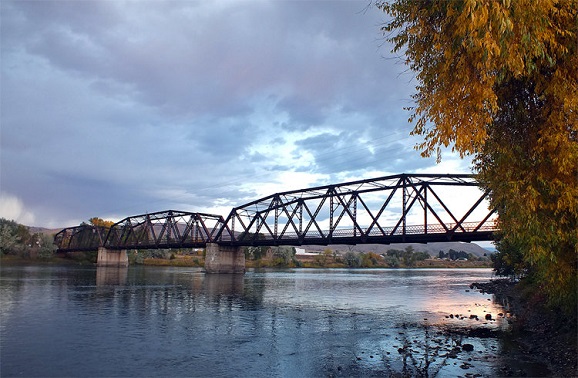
{"points": [[404, 208]]}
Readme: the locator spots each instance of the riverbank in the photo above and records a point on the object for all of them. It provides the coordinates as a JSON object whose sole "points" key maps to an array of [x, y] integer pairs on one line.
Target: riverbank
{"points": [[81, 258], [547, 335], [316, 263], [18, 261]]}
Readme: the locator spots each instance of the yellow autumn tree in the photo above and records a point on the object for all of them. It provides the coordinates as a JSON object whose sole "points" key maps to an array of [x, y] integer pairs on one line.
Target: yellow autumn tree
{"points": [[95, 221], [499, 80]]}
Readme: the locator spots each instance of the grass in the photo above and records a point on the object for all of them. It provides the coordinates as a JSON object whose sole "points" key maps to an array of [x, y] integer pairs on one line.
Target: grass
{"points": [[186, 261]]}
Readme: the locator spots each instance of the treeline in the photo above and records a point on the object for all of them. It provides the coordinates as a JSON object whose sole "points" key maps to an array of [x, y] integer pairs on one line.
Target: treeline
{"points": [[457, 255], [283, 257], [328, 258], [173, 257], [17, 240], [286, 257], [393, 258]]}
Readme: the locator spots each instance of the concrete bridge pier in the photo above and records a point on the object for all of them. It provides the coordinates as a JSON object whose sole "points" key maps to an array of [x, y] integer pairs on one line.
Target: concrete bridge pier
{"points": [[111, 258], [224, 259]]}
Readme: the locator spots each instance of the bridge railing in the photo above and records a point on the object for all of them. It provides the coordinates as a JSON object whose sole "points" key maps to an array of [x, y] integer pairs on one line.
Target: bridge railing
{"points": [[382, 210], [468, 231]]}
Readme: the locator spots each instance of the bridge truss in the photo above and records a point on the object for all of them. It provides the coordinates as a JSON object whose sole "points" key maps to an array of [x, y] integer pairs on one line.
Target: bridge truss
{"points": [[393, 209], [405, 208], [85, 237], [165, 229]]}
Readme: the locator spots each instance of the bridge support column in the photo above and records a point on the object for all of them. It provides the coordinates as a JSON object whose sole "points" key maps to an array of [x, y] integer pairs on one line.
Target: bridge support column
{"points": [[111, 258], [224, 259]]}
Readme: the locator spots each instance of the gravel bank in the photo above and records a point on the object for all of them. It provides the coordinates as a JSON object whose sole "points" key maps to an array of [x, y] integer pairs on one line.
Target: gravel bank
{"points": [[545, 334]]}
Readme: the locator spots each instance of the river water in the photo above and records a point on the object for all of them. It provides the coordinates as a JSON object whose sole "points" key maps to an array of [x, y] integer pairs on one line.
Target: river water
{"points": [[169, 322]]}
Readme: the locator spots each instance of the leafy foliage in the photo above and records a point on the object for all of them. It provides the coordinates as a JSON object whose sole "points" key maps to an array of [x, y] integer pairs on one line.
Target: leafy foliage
{"points": [[509, 260], [16, 239], [498, 80], [45, 245], [284, 255], [370, 260], [95, 221], [8, 239], [255, 253], [352, 260]]}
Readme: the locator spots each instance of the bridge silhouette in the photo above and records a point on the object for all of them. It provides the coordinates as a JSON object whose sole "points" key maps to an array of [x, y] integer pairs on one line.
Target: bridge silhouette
{"points": [[404, 208]]}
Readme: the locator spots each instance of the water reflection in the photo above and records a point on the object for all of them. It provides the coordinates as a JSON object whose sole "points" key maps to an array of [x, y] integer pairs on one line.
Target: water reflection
{"points": [[216, 285], [181, 322], [111, 275]]}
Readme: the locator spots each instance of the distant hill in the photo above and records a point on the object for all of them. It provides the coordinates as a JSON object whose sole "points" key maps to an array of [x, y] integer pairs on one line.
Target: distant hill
{"points": [[432, 249], [49, 231]]}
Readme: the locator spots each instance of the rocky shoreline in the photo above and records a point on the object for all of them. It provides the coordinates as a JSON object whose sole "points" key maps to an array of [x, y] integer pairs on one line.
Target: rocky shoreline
{"points": [[543, 334]]}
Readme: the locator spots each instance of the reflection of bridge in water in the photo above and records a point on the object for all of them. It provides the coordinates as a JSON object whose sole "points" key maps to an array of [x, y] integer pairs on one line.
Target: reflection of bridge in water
{"points": [[405, 208]]}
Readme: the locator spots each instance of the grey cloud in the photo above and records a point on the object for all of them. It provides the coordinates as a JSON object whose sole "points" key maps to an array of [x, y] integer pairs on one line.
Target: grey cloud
{"points": [[107, 104], [347, 152], [223, 138], [180, 64]]}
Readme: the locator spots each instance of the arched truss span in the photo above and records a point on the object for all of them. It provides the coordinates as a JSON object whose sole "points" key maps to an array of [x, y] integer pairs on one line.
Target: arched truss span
{"points": [[392, 209], [165, 229], [81, 238]]}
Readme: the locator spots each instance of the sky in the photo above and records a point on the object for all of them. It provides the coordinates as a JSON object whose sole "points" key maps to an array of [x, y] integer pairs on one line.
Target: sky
{"points": [[117, 108]]}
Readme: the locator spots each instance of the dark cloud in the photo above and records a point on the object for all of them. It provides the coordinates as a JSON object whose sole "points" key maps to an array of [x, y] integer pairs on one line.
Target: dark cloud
{"points": [[116, 108]]}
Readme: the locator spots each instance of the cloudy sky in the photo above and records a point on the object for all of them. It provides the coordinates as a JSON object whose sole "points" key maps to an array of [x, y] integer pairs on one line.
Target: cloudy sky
{"points": [[118, 108]]}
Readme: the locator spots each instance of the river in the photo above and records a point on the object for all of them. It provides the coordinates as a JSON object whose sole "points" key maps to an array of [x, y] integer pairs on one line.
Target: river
{"points": [[172, 322]]}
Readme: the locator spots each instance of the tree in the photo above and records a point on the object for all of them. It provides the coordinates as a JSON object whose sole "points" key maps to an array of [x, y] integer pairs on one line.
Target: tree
{"points": [[255, 253], [370, 260], [327, 254], [14, 237], [421, 256], [45, 244], [8, 239], [394, 253], [352, 260], [508, 260], [100, 222], [408, 256], [284, 255], [498, 80]]}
